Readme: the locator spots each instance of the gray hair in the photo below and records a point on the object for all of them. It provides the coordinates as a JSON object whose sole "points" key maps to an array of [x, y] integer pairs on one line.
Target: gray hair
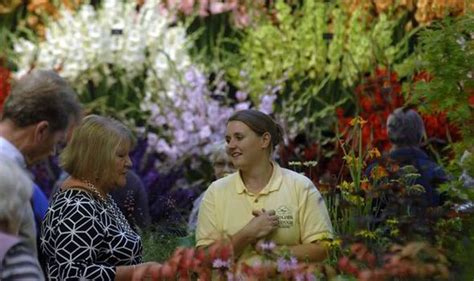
{"points": [[42, 95], [217, 149], [405, 127], [15, 190]]}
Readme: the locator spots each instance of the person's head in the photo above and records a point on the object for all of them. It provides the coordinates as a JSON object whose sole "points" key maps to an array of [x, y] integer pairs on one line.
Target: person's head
{"points": [[405, 128], [99, 152], [221, 162], [15, 192], [44, 105], [251, 136]]}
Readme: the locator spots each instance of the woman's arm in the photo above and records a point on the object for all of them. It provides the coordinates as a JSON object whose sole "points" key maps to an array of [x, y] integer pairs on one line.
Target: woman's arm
{"points": [[312, 252], [135, 272], [262, 224]]}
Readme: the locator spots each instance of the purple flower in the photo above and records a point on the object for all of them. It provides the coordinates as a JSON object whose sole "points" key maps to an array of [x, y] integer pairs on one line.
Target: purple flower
{"points": [[266, 103], [221, 264], [267, 246], [286, 265], [241, 96], [242, 106]]}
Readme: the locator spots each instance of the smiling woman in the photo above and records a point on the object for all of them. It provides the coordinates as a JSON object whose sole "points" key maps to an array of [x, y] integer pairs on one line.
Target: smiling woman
{"points": [[83, 219], [262, 201]]}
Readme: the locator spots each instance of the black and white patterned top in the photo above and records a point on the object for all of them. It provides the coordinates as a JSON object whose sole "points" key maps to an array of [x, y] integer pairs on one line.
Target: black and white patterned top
{"points": [[82, 239]]}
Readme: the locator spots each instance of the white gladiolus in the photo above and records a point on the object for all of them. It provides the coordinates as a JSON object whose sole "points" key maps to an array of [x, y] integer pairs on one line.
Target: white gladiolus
{"points": [[90, 43]]}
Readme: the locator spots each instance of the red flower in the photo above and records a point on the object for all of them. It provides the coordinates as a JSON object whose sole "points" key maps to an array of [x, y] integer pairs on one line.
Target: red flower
{"points": [[4, 85], [471, 100]]}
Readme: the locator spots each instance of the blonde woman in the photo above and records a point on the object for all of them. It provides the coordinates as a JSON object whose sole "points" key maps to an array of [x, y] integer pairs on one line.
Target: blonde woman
{"points": [[85, 236]]}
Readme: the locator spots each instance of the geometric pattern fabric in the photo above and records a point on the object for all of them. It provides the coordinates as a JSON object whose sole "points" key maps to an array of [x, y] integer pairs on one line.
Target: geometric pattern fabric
{"points": [[81, 239]]}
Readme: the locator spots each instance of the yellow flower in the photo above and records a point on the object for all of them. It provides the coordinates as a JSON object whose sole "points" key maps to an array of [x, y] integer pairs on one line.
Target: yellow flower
{"points": [[346, 186], [367, 234], [333, 244], [349, 159], [374, 153], [392, 221], [357, 121]]}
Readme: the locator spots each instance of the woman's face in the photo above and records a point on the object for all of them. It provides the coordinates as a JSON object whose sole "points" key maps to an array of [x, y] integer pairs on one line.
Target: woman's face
{"points": [[122, 164], [244, 146], [222, 165]]}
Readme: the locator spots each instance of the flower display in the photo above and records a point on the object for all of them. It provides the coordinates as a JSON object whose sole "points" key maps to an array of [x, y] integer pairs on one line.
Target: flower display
{"points": [[110, 48], [193, 119], [379, 96], [93, 44]]}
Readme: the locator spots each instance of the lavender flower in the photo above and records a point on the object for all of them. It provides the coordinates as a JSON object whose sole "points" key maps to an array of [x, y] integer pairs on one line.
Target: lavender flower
{"points": [[267, 246], [221, 264], [284, 264], [266, 103]]}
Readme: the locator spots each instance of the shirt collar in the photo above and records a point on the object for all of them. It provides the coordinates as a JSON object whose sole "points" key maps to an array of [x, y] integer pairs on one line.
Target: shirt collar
{"points": [[12, 152], [273, 184]]}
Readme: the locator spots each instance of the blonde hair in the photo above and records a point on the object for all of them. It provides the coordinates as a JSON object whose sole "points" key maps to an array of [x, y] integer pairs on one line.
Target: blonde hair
{"points": [[91, 153], [15, 190]]}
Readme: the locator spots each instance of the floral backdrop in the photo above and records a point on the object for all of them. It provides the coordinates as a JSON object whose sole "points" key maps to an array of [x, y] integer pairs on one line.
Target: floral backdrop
{"points": [[329, 71]]}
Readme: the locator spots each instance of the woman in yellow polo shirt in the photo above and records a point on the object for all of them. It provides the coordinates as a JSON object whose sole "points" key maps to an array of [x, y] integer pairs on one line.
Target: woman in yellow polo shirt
{"points": [[262, 201]]}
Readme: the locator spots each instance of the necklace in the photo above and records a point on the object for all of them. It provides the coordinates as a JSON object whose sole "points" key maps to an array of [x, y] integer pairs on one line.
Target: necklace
{"points": [[111, 206]]}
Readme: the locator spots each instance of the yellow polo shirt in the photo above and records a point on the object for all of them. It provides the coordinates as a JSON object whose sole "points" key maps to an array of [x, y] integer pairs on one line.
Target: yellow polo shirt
{"points": [[227, 207]]}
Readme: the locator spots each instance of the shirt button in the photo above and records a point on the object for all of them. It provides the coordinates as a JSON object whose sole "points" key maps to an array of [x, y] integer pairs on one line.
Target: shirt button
{"points": [[256, 200]]}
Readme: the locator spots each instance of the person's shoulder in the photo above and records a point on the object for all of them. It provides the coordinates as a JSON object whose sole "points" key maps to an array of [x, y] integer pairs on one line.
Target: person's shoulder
{"points": [[72, 198], [298, 179], [223, 183], [21, 263]]}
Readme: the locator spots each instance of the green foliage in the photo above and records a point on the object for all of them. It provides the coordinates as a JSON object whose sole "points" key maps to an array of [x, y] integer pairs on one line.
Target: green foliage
{"points": [[295, 46], [159, 244], [446, 51]]}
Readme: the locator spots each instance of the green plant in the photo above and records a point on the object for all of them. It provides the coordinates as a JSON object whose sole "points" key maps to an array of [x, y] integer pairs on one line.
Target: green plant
{"points": [[446, 51], [159, 244]]}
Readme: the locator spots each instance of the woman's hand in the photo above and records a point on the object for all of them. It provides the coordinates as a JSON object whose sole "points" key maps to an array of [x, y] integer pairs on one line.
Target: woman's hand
{"points": [[263, 223], [146, 271]]}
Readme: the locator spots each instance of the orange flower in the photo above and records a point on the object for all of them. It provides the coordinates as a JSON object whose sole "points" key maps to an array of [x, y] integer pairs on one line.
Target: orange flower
{"points": [[365, 185], [383, 5], [8, 6], [378, 172]]}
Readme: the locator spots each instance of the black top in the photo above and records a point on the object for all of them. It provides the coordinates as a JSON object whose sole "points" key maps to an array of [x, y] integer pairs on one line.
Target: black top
{"points": [[82, 238]]}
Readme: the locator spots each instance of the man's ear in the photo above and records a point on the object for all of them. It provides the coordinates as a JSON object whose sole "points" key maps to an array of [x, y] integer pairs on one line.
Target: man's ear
{"points": [[41, 131], [266, 140]]}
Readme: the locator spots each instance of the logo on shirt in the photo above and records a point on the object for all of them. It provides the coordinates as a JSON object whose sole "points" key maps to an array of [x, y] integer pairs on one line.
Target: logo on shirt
{"points": [[285, 217]]}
